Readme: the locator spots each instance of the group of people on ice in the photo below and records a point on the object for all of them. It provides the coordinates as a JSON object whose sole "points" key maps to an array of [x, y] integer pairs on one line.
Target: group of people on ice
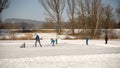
{"points": [[106, 39], [53, 41], [37, 38]]}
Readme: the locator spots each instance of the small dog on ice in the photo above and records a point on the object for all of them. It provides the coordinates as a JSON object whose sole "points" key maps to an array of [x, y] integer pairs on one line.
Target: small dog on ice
{"points": [[23, 45]]}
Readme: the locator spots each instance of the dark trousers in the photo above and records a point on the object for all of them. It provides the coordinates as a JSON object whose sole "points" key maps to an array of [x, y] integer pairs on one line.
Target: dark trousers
{"points": [[38, 42], [56, 41], [53, 43], [106, 41]]}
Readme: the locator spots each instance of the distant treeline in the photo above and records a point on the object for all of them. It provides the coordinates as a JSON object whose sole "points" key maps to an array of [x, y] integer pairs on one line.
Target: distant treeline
{"points": [[49, 25]]}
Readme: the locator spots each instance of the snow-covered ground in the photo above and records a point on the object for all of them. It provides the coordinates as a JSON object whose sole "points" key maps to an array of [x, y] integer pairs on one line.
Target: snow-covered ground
{"points": [[65, 54]]}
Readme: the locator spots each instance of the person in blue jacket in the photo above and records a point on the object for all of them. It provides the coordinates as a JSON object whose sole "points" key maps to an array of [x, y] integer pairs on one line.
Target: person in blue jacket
{"points": [[52, 41], [37, 40], [87, 40]]}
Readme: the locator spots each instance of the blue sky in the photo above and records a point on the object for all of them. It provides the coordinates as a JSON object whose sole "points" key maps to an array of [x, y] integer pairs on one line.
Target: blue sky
{"points": [[31, 9], [24, 9]]}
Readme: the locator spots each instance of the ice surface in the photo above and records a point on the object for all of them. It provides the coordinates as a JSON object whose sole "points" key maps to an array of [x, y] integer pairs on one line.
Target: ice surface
{"points": [[84, 61], [65, 54]]}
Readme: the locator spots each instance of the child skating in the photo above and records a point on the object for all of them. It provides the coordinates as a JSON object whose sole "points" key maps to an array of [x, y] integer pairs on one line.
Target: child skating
{"points": [[52, 41]]}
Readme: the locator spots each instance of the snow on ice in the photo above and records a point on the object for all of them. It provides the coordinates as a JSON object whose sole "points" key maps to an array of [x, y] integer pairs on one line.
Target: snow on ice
{"points": [[65, 54]]}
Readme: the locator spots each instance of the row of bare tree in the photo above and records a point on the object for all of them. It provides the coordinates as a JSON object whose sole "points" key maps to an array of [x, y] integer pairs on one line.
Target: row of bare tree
{"points": [[87, 14]]}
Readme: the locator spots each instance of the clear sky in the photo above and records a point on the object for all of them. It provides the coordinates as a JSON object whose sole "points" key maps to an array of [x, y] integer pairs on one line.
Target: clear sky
{"points": [[31, 9]]}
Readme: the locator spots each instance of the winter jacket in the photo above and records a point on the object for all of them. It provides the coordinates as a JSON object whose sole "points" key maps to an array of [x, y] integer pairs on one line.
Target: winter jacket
{"points": [[37, 38]]}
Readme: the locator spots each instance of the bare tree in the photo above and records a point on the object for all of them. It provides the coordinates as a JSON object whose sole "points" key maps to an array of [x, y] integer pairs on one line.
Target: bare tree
{"points": [[118, 12], [108, 16], [80, 11], [3, 5], [23, 26], [97, 11], [49, 24], [92, 15], [71, 13], [86, 12], [89, 13], [118, 15], [54, 8]]}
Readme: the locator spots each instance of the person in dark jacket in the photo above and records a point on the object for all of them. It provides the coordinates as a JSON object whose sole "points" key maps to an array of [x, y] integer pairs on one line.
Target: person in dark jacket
{"points": [[106, 39], [87, 40], [37, 40], [56, 40], [23, 45]]}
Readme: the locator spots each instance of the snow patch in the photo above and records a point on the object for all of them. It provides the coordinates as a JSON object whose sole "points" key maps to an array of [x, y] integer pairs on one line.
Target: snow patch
{"points": [[85, 61]]}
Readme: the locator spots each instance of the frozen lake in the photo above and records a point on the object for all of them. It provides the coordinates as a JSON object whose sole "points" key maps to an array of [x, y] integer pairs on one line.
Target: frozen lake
{"points": [[66, 54]]}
